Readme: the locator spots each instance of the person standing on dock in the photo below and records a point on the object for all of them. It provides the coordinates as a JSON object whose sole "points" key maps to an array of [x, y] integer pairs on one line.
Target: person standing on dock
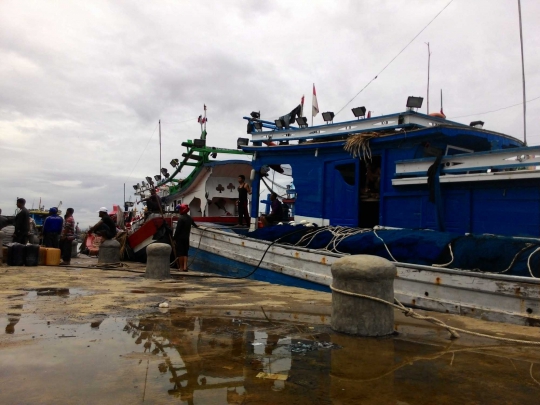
{"points": [[21, 222], [243, 190], [181, 236], [68, 235], [52, 228], [105, 227], [153, 203]]}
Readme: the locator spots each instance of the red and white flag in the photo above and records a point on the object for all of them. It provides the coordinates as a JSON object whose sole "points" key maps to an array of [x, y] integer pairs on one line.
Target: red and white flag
{"points": [[315, 105], [201, 119], [302, 108]]}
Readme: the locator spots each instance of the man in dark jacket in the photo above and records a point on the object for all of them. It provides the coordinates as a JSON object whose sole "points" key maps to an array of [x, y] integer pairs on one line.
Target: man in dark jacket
{"points": [[21, 222], [52, 228], [105, 227], [181, 236]]}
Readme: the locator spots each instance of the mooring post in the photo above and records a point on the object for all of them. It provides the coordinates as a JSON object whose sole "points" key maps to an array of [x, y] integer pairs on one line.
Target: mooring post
{"points": [[157, 263], [365, 275], [74, 245], [109, 252]]}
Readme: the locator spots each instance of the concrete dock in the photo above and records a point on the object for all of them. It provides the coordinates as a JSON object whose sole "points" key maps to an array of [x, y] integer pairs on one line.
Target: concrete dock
{"points": [[82, 334]]}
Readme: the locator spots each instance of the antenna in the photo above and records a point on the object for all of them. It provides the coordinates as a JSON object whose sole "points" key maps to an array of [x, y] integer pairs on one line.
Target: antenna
{"points": [[428, 66]]}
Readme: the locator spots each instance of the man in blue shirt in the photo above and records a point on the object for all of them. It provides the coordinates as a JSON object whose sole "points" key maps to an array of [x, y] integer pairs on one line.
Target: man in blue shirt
{"points": [[52, 228]]}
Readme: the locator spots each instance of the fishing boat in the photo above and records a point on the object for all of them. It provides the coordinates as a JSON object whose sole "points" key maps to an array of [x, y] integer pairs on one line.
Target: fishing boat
{"points": [[210, 191], [456, 207]]}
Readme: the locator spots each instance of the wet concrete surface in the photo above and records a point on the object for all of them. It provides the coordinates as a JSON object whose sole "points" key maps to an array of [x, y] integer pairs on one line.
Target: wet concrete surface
{"points": [[89, 336]]}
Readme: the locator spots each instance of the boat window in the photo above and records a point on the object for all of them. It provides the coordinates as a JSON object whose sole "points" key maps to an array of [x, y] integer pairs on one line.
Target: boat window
{"points": [[348, 172]]}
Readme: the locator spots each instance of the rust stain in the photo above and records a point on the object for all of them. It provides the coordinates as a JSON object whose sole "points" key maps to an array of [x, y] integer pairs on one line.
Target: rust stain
{"points": [[517, 291], [438, 281], [323, 260], [414, 302], [295, 316], [243, 244], [296, 254], [323, 318]]}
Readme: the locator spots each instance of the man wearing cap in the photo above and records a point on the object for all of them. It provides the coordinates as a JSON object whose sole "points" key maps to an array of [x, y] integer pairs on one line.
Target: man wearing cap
{"points": [[21, 222], [181, 236], [52, 228], [105, 227]]}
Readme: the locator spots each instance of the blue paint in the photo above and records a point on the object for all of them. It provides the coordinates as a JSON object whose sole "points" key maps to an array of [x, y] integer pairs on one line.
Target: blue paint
{"points": [[211, 263]]}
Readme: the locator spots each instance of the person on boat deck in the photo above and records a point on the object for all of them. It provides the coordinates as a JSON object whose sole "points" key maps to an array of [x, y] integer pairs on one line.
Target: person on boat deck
{"points": [[153, 202], [52, 228], [21, 223], [68, 235], [276, 215], [33, 232], [181, 235], [243, 190], [105, 227]]}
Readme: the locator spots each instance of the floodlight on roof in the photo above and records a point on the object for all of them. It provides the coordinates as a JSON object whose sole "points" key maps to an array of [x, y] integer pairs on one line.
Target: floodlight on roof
{"points": [[143, 183], [280, 124], [175, 162], [302, 122], [242, 142], [255, 114], [328, 116], [135, 187], [199, 143], [359, 112], [149, 180], [257, 125], [157, 177], [477, 124], [414, 102]]}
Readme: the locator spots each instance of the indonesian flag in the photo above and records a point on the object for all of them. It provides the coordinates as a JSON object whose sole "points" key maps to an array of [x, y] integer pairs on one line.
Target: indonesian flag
{"points": [[201, 119], [315, 105]]}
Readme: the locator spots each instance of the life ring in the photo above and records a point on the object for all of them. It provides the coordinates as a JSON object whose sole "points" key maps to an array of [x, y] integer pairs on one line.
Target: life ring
{"points": [[439, 115]]}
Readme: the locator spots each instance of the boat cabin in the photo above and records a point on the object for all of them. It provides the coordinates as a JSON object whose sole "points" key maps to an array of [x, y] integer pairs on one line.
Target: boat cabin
{"points": [[407, 170]]}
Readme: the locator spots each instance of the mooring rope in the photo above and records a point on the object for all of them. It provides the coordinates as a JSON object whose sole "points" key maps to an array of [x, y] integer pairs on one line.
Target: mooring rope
{"points": [[451, 329]]}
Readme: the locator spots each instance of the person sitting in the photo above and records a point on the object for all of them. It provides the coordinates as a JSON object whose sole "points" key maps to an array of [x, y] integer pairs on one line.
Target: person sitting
{"points": [[105, 227], [153, 202], [52, 228], [276, 215]]}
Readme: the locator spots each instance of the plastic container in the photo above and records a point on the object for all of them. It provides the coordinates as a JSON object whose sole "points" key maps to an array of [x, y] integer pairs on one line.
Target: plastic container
{"points": [[31, 255], [16, 254], [52, 257], [42, 255]]}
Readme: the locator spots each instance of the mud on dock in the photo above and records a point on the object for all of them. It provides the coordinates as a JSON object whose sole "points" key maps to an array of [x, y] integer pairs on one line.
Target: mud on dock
{"points": [[78, 334]]}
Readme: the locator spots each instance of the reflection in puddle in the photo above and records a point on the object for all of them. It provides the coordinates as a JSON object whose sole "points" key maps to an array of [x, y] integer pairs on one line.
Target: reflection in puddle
{"points": [[197, 359]]}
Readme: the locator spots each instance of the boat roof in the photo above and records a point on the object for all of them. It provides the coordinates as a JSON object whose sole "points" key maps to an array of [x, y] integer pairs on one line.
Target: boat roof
{"points": [[388, 128]]}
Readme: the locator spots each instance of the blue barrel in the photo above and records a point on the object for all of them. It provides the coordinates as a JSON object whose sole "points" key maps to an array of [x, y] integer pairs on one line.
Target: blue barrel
{"points": [[31, 253]]}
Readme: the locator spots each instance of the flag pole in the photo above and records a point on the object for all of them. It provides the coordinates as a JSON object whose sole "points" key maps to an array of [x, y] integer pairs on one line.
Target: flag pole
{"points": [[523, 77], [159, 171], [428, 66]]}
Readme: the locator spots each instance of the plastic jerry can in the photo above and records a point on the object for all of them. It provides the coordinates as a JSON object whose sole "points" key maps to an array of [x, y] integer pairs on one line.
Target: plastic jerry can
{"points": [[31, 255], [16, 254], [42, 255], [52, 257]]}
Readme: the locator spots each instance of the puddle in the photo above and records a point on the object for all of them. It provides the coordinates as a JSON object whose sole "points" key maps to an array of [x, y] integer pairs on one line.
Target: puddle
{"points": [[187, 358]]}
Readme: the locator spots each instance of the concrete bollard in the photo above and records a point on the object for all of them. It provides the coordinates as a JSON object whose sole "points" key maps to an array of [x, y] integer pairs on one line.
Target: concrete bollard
{"points": [[367, 275], [157, 263], [109, 252], [74, 252]]}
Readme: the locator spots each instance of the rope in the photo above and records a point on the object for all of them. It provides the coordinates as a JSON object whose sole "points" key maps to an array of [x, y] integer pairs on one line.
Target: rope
{"points": [[452, 257], [529, 262], [451, 329]]}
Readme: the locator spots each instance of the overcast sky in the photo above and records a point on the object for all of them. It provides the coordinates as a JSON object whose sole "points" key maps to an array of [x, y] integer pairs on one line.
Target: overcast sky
{"points": [[83, 84]]}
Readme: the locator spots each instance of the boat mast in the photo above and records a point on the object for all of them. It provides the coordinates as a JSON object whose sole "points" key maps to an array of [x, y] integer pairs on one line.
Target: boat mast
{"points": [[428, 63], [159, 171], [523, 77]]}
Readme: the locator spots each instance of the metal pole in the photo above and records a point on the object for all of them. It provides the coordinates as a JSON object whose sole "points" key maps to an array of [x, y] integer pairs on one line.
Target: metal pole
{"points": [[124, 195], [523, 76], [159, 171], [428, 66]]}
